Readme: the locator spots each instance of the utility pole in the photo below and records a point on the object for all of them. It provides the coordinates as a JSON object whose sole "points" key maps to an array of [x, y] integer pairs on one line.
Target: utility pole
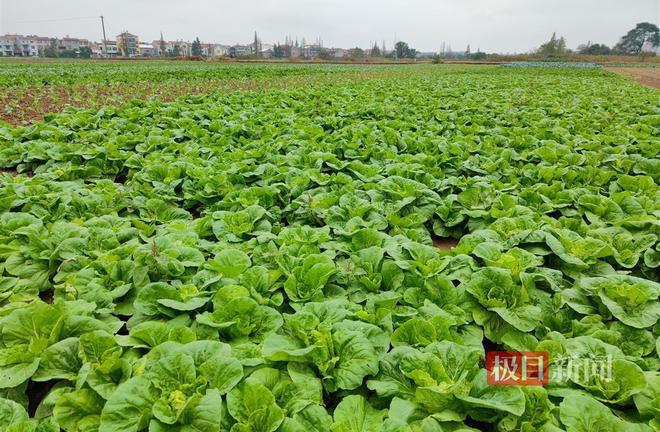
{"points": [[105, 46]]}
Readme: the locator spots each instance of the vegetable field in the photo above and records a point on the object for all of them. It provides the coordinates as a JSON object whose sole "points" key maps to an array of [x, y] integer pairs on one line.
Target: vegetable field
{"points": [[29, 89], [335, 257]]}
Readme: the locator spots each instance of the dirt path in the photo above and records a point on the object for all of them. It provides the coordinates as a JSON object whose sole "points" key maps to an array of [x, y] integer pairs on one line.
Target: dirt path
{"points": [[649, 77]]}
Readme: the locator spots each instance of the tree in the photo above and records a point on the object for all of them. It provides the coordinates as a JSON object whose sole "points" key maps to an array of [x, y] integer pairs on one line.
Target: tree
{"points": [[69, 54], [468, 52], [479, 55], [279, 51], [357, 52], [550, 46], [594, 49], [176, 52], [375, 51], [51, 50], [636, 40], [196, 49], [255, 45], [325, 54], [402, 50], [85, 52], [163, 46], [561, 45], [554, 46]]}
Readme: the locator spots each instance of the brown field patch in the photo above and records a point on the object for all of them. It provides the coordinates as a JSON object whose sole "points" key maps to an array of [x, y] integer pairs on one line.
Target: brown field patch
{"points": [[649, 77], [444, 243]]}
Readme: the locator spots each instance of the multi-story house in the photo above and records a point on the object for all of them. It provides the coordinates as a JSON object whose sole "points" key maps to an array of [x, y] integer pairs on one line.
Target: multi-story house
{"points": [[72, 44], [28, 47], [340, 52], [266, 53], [109, 49], [295, 52], [97, 49], [219, 50], [185, 48], [241, 50], [7, 45], [128, 44], [214, 50], [177, 48], [311, 51], [41, 43], [18, 46], [147, 50], [156, 45]]}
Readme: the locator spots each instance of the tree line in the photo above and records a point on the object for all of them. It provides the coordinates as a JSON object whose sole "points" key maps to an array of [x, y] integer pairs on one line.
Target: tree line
{"points": [[644, 35]]}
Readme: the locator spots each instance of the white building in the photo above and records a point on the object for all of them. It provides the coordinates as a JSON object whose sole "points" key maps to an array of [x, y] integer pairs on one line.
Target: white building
{"points": [[339, 52], [241, 50], [72, 44], [214, 50], [18, 46], [6, 46], [171, 48], [42, 43], [109, 48], [219, 50], [146, 50]]}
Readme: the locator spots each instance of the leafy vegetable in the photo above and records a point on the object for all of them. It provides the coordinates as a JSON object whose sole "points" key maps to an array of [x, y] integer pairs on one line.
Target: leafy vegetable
{"points": [[331, 258]]}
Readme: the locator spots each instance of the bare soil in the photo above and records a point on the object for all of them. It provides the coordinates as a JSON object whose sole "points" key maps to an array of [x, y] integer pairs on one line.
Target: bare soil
{"points": [[444, 243], [649, 77]]}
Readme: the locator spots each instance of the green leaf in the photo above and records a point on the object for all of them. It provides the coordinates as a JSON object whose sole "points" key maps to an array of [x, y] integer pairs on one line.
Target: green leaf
{"points": [[253, 406], [354, 414], [11, 413], [584, 414], [79, 410], [223, 373], [314, 418], [498, 398], [129, 408], [172, 371], [631, 300], [17, 365], [357, 358], [59, 361], [231, 263], [205, 414]]}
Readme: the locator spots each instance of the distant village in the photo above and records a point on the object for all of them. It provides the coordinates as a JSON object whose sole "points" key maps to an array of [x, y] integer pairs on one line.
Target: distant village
{"points": [[129, 45], [643, 40]]}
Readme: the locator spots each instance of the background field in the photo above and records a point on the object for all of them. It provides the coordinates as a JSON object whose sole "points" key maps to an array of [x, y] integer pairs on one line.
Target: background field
{"points": [[30, 89]]}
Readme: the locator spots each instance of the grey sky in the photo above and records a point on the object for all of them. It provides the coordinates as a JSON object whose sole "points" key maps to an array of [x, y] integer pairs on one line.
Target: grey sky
{"points": [[492, 25]]}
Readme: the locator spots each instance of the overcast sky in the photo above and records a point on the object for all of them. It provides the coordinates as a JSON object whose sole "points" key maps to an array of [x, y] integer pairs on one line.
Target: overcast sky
{"points": [[492, 25]]}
